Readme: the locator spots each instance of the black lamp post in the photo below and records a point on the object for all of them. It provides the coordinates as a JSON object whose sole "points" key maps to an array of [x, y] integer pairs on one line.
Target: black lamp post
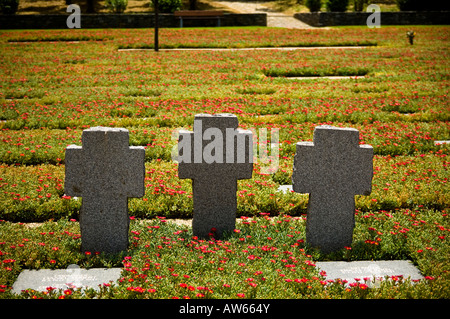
{"points": [[156, 26]]}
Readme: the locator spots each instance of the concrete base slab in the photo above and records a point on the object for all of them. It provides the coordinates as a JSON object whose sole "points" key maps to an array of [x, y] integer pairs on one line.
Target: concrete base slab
{"points": [[378, 270], [72, 277], [250, 49]]}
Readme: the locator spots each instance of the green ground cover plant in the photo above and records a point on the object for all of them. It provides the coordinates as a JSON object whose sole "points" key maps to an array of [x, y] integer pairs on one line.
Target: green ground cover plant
{"points": [[52, 89], [264, 258], [55, 38], [305, 72]]}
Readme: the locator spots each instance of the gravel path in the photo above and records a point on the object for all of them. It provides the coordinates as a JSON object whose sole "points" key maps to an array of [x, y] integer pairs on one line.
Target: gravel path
{"points": [[274, 19]]}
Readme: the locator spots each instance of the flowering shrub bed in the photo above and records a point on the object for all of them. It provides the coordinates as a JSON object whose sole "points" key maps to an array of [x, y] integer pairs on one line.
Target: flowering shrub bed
{"points": [[264, 258], [35, 193], [52, 89], [305, 72]]}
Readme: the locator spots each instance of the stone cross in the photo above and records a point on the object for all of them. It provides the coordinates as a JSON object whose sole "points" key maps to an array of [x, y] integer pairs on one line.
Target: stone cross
{"points": [[332, 169], [104, 172], [215, 155]]}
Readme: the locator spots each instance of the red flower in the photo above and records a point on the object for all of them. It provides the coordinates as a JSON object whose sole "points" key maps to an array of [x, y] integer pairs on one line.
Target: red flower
{"points": [[68, 292], [363, 286]]}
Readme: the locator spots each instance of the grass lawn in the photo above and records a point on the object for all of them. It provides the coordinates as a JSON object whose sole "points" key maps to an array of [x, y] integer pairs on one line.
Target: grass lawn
{"points": [[56, 83]]}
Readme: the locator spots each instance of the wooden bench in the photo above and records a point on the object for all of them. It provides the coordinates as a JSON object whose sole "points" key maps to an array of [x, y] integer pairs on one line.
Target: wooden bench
{"points": [[198, 14]]}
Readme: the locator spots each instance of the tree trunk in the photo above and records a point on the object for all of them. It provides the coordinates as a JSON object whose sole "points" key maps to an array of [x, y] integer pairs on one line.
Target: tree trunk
{"points": [[90, 6], [192, 4]]}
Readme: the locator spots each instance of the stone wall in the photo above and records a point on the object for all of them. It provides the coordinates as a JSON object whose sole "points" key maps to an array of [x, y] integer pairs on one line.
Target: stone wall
{"points": [[323, 19], [58, 21]]}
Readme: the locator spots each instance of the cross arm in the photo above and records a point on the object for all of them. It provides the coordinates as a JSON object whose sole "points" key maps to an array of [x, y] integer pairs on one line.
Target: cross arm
{"points": [[137, 172], [302, 171], [74, 171], [364, 170], [185, 156]]}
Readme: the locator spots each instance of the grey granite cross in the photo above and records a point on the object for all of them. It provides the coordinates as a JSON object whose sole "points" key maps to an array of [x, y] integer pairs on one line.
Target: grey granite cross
{"points": [[332, 169], [215, 155], [104, 172]]}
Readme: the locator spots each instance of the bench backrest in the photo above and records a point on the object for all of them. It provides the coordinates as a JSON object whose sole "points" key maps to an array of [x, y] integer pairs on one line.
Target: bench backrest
{"points": [[198, 13]]}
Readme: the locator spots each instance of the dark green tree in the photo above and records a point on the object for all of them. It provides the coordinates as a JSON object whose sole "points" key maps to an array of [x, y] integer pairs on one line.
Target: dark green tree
{"points": [[9, 6], [313, 5], [91, 6], [337, 5], [192, 4], [359, 5]]}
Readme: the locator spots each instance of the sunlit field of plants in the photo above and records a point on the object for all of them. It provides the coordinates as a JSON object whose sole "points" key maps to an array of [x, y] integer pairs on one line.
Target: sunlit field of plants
{"points": [[57, 83]]}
